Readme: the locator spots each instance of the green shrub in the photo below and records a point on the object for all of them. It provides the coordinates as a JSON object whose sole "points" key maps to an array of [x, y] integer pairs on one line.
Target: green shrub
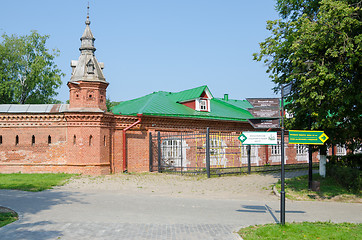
{"points": [[346, 171], [350, 160]]}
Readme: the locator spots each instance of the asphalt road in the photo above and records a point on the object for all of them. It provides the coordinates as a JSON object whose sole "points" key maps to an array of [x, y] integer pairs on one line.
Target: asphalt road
{"points": [[60, 214], [98, 213]]}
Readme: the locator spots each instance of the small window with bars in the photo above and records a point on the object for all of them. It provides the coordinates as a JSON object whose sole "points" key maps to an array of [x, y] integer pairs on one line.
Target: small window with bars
{"points": [[301, 149], [276, 149]]}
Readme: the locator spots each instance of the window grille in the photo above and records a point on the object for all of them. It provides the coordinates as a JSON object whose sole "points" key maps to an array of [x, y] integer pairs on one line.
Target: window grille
{"points": [[217, 152], [172, 152], [276, 149], [301, 149], [341, 150]]}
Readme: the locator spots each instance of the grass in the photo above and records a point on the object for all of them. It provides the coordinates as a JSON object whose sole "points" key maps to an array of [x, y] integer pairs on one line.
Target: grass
{"points": [[7, 217], [33, 182], [305, 230], [297, 189]]}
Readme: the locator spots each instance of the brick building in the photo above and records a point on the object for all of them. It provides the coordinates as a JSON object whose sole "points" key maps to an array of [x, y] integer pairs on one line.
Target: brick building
{"points": [[82, 137]]}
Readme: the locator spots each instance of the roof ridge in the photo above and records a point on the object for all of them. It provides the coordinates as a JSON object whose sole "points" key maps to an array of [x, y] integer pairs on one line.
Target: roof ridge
{"points": [[147, 102]]}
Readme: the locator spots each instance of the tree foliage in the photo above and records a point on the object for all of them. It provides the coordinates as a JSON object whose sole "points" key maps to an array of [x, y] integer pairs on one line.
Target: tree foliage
{"points": [[317, 49], [110, 104], [28, 73]]}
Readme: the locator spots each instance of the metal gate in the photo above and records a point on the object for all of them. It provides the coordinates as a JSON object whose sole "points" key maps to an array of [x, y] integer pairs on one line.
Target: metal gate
{"points": [[198, 152]]}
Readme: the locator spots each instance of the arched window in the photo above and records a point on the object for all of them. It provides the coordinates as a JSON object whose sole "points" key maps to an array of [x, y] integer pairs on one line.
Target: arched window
{"points": [[16, 140], [32, 140], [74, 140], [90, 140], [49, 139]]}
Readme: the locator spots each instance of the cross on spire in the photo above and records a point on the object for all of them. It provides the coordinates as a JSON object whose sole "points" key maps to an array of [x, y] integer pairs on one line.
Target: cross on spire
{"points": [[88, 11]]}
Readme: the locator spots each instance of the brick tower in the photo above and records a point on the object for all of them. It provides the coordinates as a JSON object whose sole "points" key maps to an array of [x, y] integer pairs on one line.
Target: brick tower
{"points": [[87, 85]]}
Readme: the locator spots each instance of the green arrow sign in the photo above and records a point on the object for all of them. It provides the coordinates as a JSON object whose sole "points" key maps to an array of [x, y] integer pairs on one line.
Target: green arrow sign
{"points": [[242, 138], [307, 137]]}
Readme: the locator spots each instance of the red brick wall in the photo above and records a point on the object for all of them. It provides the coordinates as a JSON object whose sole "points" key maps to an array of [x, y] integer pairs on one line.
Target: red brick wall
{"points": [[137, 151], [61, 155], [89, 142], [26, 154], [87, 95], [105, 154]]}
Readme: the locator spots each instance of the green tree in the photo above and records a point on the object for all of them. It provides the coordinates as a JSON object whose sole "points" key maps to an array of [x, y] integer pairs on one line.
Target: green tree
{"points": [[317, 49], [110, 104], [28, 73]]}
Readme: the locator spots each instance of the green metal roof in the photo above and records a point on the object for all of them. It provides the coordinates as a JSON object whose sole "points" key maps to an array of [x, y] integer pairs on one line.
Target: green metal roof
{"points": [[244, 104], [167, 104]]}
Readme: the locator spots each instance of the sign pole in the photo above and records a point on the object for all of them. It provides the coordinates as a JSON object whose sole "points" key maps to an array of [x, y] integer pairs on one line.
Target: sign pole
{"points": [[310, 158], [282, 192], [249, 159]]}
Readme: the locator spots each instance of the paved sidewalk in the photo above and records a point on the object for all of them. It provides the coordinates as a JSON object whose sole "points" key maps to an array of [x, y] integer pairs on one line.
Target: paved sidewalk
{"points": [[93, 214]]}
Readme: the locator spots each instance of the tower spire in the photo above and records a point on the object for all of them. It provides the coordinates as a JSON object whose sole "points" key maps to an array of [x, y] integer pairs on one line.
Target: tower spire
{"points": [[87, 85]]}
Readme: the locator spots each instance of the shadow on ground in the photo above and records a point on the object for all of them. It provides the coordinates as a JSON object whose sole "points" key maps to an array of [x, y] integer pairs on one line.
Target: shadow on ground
{"points": [[30, 203]]}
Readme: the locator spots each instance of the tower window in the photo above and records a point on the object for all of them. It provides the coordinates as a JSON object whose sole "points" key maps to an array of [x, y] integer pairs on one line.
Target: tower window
{"points": [[1, 139], [49, 139], [32, 140], [104, 140], [90, 67], [74, 140], [16, 140]]}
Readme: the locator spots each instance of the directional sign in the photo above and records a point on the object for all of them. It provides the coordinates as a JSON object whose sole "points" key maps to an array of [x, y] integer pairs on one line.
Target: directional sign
{"points": [[264, 123], [307, 137], [265, 112], [258, 138], [264, 102]]}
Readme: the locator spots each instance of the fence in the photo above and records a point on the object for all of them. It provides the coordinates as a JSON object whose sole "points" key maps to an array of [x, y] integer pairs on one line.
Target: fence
{"points": [[213, 153]]}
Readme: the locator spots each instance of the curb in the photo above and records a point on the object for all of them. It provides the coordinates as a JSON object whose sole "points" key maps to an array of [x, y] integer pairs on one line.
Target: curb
{"points": [[237, 236]]}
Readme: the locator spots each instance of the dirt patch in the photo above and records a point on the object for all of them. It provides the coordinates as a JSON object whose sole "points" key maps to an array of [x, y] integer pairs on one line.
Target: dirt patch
{"points": [[251, 186]]}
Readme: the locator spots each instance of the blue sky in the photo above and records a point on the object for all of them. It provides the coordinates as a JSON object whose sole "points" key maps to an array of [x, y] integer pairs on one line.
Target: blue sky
{"points": [[153, 45]]}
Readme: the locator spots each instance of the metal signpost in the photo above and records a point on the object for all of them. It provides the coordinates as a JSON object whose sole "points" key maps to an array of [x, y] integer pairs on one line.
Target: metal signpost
{"points": [[267, 114], [265, 123], [282, 172], [265, 111], [264, 102], [307, 137], [258, 138]]}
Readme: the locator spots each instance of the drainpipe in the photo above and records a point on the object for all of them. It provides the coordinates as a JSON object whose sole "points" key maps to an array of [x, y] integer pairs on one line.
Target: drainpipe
{"points": [[124, 140]]}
